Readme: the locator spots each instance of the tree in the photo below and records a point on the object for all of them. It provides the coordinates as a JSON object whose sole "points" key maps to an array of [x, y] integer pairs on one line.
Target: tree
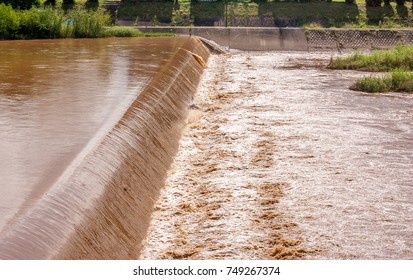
{"points": [[50, 2], [68, 2], [21, 4], [373, 3]]}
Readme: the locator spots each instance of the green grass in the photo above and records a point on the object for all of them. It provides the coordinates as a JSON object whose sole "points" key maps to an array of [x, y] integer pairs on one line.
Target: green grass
{"points": [[48, 23], [398, 80], [125, 31], [292, 13], [400, 57], [122, 31], [147, 11], [398, 61]]}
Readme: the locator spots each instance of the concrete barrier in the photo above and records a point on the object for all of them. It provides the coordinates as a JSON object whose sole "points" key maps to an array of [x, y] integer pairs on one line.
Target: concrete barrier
{"points": [[293, 39], [245, 38]]}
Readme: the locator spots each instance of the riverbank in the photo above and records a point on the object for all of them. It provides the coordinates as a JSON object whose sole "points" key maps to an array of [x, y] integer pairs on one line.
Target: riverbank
{"points": [[293, 39], [51, 23], [281, 160], [248, 13]]}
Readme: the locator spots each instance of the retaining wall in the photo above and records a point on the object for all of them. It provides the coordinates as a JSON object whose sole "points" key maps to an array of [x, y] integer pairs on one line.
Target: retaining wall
{"points": [[293, 39]]}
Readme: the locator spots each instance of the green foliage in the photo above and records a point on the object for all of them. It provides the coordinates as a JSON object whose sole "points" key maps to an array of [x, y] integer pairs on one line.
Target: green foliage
{"points": [[398, 80], [9, 21], [373, 3], [181, 15], [40, 23], [51, 23], [121, 31], [146, 11], [87, 23], [373, 84], [21, 4], [400, 57], [155, 20], [292, 13]]}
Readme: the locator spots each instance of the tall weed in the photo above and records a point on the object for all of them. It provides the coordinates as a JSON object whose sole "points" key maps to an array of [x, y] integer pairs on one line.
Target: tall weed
{"points": [[44, 23], [47, 22], [400, 57], [398, 80], [9, 22], [87, 23]]}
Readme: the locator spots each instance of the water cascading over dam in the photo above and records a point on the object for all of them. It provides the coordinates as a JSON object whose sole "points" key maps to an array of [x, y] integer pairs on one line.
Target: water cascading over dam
{"points": [[88, 130]]}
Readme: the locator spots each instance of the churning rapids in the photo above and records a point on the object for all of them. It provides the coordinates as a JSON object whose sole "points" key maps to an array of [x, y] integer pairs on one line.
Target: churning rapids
{"points": [[277, 158], [287, 163]]}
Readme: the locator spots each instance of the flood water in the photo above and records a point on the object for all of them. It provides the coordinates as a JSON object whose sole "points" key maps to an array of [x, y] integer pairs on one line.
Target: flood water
{"points": [[57, 96], [282, 160], [286, 162]]}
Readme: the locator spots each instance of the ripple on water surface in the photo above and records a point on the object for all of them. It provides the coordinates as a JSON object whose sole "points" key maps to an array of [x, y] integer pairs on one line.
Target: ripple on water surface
{"points": [[55, 96]]}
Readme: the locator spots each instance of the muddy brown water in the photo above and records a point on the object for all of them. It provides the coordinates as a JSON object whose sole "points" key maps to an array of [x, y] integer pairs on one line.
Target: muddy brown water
{"points": [[74, 119], [284, 161], [278, 158]]}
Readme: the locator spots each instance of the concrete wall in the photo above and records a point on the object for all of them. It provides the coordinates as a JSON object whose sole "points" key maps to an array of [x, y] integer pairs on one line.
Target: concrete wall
{"points": [[293, 39], [245, 38]]}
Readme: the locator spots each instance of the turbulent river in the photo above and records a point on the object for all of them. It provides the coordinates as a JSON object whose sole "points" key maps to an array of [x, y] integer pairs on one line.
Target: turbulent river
{"points": [[284, 161], [277, 158]]}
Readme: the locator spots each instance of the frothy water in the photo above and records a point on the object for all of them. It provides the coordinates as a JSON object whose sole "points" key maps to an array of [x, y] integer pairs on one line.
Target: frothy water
{"points": [[287, 162]]}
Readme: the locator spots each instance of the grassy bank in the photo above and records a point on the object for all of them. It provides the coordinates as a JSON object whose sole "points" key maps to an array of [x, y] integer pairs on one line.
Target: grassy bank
{"points": [[398, 61], [398, 80], [49, 23], [308, 14], [124, 31], [400, 57]]}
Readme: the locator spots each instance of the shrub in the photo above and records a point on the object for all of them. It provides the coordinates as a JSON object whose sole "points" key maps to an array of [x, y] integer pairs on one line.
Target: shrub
{"points": [[398, 80], [121, 31], [87, 24], [407, 86], [373, 84], [9, 22], [22, 4], [373, 3], [51, 23], [44, 23], [400, 57]]}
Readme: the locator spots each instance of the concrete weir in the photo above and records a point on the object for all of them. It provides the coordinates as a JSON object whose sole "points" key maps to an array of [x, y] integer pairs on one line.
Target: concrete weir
{"points": [[293, 39], [245, 38], [101, 206]]}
